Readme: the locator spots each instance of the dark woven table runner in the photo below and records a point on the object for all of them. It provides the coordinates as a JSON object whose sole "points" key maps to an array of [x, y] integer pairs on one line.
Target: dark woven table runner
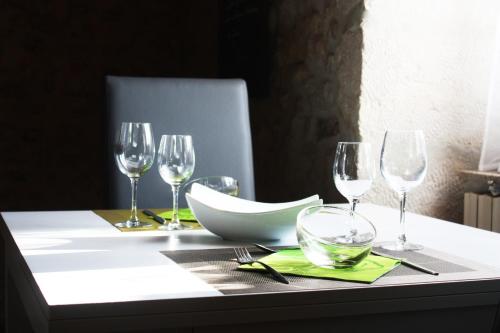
{"points": [[216, 267]]}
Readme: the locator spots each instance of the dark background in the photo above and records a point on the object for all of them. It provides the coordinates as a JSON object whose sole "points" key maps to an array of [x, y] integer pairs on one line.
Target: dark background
{"points": [[54, 56]]}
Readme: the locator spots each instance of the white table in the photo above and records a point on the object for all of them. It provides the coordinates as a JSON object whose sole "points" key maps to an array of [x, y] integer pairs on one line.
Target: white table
{"points": [[74, 271]]}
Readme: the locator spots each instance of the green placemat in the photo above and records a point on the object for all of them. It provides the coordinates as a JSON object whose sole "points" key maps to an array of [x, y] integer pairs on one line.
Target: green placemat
{"points": [[185, 214], [120, 215], [293, 262]]}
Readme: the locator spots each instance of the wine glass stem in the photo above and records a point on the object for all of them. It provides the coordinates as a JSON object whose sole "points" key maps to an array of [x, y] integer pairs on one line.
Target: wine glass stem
{"points": [[175, 206], [402, 235], [133, 211], [353, 203]]}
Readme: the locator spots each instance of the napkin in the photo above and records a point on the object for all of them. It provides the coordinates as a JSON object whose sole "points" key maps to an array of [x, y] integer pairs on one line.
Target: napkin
{"points": [[185, 214], [293, 262]]}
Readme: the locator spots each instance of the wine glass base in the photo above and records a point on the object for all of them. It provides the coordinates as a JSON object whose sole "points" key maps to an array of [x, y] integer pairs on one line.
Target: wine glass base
{"points": [[133, 225], [398, 247], [176, 226], [163, 227]]}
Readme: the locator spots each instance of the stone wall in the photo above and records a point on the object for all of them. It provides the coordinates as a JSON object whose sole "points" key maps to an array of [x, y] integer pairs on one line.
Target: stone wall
{"points": [[314, 97], [410, 65], [426, 65]]}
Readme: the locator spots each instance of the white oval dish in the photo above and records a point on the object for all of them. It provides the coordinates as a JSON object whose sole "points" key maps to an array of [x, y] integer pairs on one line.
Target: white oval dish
{"points": [[239, 219]]}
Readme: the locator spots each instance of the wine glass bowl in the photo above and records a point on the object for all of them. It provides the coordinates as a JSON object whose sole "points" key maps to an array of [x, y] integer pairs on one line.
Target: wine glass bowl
{"points": [[134, 151], [403, 160], [403, 164], [353, 169], [176, 161]]}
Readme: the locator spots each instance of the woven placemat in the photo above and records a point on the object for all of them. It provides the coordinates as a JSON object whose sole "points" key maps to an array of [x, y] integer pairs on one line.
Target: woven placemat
{"points": [[119, 215], [218, 268]]}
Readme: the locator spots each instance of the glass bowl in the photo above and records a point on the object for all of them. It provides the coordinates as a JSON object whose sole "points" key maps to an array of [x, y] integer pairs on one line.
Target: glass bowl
{"points": [[222, 184], [331, 237]]}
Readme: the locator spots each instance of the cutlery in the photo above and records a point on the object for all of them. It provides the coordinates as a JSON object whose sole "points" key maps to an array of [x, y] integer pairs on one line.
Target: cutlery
{"points": [[155, 217], [244, 257], [264, 248], [407, 263], [403, 261]]}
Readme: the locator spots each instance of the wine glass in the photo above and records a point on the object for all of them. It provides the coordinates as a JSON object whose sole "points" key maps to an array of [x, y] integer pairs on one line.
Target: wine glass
{"points": [[176, 162], [134, 155], [403, 163], [353, 173]]}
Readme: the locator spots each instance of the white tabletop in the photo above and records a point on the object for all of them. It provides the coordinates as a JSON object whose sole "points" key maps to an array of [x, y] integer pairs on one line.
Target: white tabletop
{"points": [[76, 257]]}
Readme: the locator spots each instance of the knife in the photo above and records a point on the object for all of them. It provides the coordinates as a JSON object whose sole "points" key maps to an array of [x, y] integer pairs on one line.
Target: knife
{"points": [[155, 217], [268, 250], [406, 262]]}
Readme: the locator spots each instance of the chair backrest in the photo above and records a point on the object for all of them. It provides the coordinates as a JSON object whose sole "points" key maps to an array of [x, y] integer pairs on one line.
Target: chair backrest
{"points": [[213, 111]]}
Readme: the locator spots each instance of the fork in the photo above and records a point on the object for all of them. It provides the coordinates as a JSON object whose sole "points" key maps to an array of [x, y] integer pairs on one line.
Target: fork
{"points": [[243, 257]]}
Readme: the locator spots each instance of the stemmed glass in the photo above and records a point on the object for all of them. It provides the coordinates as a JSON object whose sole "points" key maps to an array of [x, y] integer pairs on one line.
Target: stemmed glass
{"points": [[403, 163], [353, 173], [134, 155], [176, 162]]}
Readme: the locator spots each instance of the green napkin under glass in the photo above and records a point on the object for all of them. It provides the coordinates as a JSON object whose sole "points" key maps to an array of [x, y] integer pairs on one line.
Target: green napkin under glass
{"points": [[185, 214], [293, 262]]}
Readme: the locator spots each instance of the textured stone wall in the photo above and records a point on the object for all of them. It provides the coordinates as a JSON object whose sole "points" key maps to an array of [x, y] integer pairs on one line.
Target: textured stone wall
{"points": [[314, 97], [426, 65]]}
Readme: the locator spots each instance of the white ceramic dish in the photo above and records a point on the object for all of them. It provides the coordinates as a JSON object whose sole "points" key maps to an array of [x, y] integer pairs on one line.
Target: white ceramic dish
{"points": [[239, 219]]}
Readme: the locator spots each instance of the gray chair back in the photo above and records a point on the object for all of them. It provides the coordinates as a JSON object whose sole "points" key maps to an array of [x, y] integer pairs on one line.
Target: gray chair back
{"points": [[213, 111]]}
